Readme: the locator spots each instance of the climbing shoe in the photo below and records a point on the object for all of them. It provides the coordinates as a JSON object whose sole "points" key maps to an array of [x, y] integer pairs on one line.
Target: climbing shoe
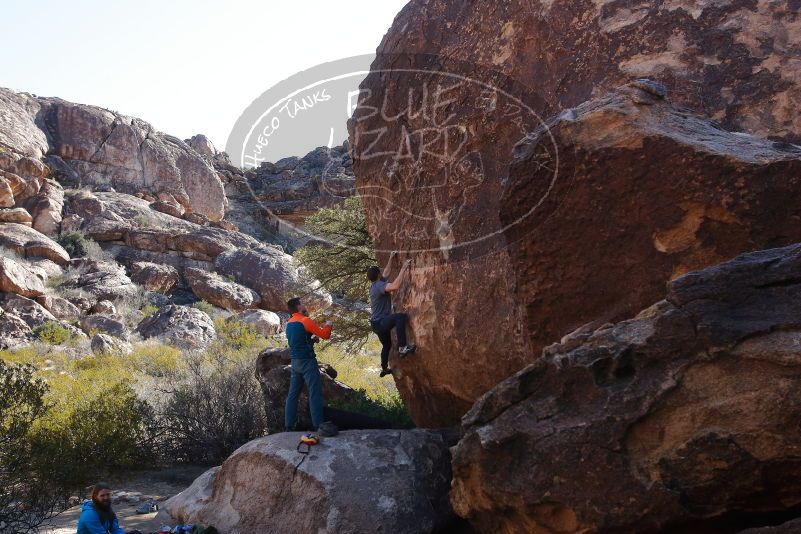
{"points": [[408, 349], [328, 429], [385, 372]]}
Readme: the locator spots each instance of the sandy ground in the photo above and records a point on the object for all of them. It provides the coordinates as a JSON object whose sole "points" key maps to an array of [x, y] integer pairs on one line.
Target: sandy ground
{"points": [[157, 486]]}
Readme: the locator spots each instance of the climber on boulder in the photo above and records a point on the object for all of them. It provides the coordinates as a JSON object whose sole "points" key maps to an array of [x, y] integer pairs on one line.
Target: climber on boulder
{"points": [[300, 333], [382, 320]]}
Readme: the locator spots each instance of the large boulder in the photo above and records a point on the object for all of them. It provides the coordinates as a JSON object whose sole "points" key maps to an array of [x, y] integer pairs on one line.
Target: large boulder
{"points": [[16, 277], [16, 215], [202, 145], [30, 311], [13, 331], [61, 308], [600, 207], [18, 111], [272, 274], [431, 142], [27, 243], [102, 280], [645, 192], [360, 481], [181, 326], [273, 371], [46, 207], [111, 325], [684, 416], [107, 344], [264, 322], [223, 293], [154, 276], [739, 63]]}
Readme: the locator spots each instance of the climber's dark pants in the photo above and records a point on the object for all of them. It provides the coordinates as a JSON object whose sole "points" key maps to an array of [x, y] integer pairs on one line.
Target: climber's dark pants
{"points": [[383, 329]]}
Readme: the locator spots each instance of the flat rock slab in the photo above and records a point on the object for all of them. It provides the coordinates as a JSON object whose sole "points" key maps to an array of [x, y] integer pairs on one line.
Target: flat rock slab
{"points": [[360, 481]]}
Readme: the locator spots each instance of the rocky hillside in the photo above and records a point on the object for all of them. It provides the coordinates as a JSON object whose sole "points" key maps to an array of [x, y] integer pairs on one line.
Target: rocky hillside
{"points": [[159, 208]]}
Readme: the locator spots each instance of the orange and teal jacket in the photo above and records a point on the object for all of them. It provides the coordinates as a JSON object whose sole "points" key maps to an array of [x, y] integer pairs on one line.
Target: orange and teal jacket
{"points": [[299, 331]]}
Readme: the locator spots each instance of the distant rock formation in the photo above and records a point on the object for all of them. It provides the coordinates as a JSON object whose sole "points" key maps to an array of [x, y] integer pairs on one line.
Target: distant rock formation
{"points": [[275, 197], [95, 147], [684, 416], [156, 206]]}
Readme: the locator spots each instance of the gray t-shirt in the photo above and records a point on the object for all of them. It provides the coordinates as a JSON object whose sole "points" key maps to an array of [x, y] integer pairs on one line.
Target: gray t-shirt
{"points": [[380, 301]]}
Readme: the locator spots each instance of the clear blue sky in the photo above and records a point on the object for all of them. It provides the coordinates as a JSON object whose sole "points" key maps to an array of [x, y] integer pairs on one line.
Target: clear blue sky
{"points": [[184, 66]]}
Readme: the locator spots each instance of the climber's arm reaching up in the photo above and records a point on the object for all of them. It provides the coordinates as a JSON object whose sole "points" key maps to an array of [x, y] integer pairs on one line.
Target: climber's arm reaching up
{"points": [[395, 284], [388, 266]]}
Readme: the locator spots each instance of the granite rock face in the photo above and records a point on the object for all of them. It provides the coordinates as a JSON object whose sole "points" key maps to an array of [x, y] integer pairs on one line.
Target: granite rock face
{"points": [[182, 326], [602, 205], [684, 416], [432, 140], [358, 481], [644, 193]]}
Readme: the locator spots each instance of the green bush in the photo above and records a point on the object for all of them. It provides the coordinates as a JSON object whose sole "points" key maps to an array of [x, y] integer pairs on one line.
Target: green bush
{"points": [[52, 333], [389, 408], [74, 243], [149, 309], [28, 494], [94, 424], [236, 334], [79, 246], [204, 306], [341, 263]]}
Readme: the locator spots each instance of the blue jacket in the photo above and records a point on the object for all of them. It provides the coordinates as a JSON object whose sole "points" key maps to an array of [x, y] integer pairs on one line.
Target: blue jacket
{"points": [[89, 522], [299, 331]]}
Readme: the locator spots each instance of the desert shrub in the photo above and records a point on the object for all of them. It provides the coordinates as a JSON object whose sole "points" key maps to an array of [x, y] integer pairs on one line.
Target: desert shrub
{"points": [[149, 309], [145, 221], [52, 333], [204, 306], [130, 307], [212, 409], [96, 422], [154, 358], [238, 335], [78, 245], [28, 496], [74, 243], [55, 281]]}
